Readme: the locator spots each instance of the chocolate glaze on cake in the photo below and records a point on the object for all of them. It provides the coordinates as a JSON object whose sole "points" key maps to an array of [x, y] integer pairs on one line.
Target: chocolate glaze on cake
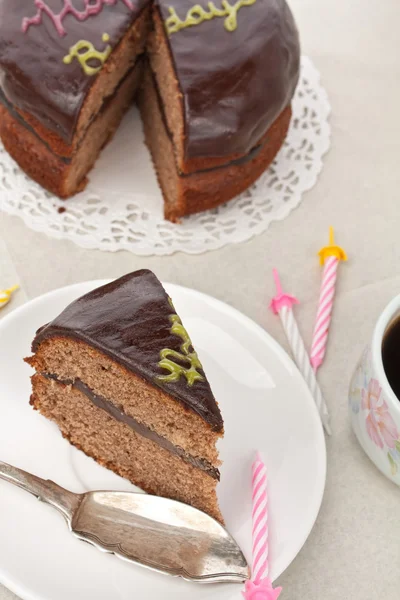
{"points": [[33, 76], [234, 84], [129, 320]]}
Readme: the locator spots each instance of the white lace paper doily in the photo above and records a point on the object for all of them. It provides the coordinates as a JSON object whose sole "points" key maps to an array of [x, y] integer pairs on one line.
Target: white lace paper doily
{"points": [[122, 206]]}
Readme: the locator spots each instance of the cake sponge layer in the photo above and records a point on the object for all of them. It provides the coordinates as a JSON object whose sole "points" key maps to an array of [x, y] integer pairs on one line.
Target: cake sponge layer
{"points": [[70, 359], [116, 446]]}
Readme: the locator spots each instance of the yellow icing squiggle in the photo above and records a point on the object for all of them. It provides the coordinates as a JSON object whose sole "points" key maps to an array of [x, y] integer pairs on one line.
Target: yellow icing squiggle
{"points": [[89, 52], [197, 14], [171, 360]]}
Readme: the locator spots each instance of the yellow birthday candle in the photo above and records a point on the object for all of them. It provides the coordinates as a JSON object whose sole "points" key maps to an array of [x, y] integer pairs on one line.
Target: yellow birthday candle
{"points": [[5, 295]]}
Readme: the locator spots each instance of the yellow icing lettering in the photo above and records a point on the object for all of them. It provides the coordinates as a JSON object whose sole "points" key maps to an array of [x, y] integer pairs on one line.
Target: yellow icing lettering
{"points": [[186, 361], [230, 23], [173, 23], [231, 11], [85, 51], [214, 11], [197, 14]]}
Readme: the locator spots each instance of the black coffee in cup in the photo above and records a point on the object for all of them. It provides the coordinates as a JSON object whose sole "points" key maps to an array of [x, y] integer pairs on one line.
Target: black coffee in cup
{"points": [[391, 356]]}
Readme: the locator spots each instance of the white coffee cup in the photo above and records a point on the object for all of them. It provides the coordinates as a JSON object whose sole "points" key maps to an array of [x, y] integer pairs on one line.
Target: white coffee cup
{"points": [[374, 407]]}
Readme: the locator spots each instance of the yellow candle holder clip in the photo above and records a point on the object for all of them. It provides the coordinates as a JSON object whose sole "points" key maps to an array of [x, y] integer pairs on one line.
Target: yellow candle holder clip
{"points": [[332, 249], [5, 295]]}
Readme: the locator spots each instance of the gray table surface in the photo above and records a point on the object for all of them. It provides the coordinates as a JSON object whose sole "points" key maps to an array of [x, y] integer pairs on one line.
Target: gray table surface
{"points": [[353, 551]]}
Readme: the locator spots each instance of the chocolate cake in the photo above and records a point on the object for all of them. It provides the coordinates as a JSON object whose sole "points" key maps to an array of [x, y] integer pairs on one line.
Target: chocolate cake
{"points": [[216, 82], [117, 372]]}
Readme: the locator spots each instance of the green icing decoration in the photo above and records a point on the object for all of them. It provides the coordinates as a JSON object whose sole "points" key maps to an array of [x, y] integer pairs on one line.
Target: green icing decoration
{"points": [[85, 51], [175, 369], [197, 14]]}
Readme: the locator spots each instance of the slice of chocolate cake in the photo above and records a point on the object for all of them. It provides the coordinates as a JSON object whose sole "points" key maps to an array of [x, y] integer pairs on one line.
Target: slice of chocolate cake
{"points": [[117, 372]]}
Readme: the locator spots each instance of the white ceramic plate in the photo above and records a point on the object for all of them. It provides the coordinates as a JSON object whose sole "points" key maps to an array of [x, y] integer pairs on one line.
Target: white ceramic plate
{"points": [[265, 404]]}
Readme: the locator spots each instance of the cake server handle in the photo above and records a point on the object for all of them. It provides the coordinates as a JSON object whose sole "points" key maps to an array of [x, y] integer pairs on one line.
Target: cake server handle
{"points": [[45, 490]]}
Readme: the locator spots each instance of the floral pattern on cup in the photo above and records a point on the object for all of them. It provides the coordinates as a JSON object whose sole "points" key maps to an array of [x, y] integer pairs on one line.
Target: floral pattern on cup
{"points": [[379, 423], [360, 381]]}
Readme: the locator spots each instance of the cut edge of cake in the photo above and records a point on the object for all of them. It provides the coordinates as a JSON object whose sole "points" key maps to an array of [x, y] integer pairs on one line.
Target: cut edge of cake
{"points": [[188, 193]]}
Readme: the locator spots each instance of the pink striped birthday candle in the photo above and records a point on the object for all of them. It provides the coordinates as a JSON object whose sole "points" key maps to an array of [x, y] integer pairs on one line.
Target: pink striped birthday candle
{"points": [[260, 519], [260, 586], [330, 256]]}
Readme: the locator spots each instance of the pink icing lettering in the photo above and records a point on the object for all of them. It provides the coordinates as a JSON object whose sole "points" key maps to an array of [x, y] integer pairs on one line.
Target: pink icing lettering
{"points": [[92, 7]]}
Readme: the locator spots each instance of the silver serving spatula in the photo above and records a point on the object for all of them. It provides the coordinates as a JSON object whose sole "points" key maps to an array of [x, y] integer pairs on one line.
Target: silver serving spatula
{"points": [[157, 533]]}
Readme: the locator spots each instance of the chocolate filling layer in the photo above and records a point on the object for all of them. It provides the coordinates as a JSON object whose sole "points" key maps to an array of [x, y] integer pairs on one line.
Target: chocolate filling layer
{"points": [[139, 428]]}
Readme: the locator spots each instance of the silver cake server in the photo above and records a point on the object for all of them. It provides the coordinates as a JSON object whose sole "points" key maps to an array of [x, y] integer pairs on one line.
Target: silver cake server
{"points": [[157, 533]]}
